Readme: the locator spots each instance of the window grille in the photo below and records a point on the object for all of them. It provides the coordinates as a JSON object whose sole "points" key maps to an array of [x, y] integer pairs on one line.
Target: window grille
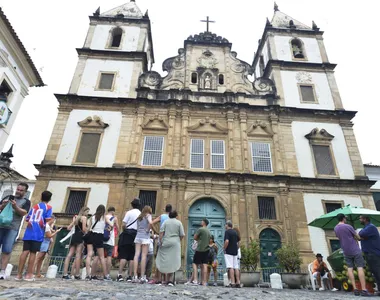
{"points": [[261, 157], [76, 201], [217, 155], [197, 154], [323, 160], [153, 148], [88, 148], [148, 198], [267, 208], [332, 206]]}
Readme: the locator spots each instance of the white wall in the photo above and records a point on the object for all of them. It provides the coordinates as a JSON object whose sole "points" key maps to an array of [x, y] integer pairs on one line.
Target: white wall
{"points": [[109, 142], [303, 150], [321, 86], [90, 76], [314, 209], [98, 194], [130, 37], [283, 48]]}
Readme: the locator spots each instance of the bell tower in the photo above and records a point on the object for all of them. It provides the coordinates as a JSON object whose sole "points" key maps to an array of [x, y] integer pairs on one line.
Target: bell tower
{"points": [[118, 48]]}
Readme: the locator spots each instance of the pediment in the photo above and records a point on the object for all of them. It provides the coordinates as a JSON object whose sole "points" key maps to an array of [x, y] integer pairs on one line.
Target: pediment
{"points": [[155, 122], [93, 122], [208, 126], [260, 128], [319, 135]]}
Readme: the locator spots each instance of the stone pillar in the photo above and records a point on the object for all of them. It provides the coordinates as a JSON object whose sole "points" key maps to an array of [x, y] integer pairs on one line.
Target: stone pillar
{"points": [[130, 190], [234, 202], [283, 212], [123, 147], [322, 49], [231, 148], [181, 204], [334, 90], [184, 144], [249, 198], [172, 118], [244, 140], [276, 73], [166, 183], [367, 200], [272, 52], [138, 134], [278, 165]]}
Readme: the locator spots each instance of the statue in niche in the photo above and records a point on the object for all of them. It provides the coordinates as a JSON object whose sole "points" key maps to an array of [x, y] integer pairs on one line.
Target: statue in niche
{"points": [[207, 83]]}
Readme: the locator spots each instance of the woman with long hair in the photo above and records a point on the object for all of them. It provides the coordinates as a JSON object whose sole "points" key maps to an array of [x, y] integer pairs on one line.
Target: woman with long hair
{"points": [[76, 243], [94, 240], [142, 241], [213, 260]]}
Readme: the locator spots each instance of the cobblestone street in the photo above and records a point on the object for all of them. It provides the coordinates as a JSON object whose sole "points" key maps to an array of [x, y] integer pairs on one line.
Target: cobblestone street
{"points": [[58, 289]]}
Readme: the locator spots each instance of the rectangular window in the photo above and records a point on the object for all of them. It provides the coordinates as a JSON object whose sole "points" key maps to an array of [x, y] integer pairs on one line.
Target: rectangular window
{"points": [[197, 154], [267, 208], [106, 81], [307, 93], [5, 91], [153, 148], [75, 202], [148, 198], [261, 157], [376, 198], [217, 155], [88, 148], [331, 206], [323, 160]]}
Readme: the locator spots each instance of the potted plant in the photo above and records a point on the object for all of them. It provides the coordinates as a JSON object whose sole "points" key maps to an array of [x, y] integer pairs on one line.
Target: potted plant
{"points": [[248, 263], [289, 258]]}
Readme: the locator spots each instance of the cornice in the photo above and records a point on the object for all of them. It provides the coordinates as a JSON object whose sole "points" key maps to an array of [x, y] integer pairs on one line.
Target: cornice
{"points": [[297, 66]]}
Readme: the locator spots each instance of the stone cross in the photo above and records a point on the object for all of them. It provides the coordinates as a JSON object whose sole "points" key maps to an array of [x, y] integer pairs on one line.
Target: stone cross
{"points": [[207, 21]]}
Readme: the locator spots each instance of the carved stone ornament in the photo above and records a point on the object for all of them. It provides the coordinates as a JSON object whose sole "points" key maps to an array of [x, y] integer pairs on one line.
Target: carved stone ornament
{"points": [[207, 60], [304, 77], [155, 122], [93, 122], [127, 10], [207, 125], [150, 79], [264, 85], [259, 128], [176, 62], [319, 135]]}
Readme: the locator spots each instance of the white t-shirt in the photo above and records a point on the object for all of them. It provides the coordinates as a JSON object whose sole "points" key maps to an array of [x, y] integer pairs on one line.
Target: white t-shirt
{"points": [[111, 240], [130, 217], [100, 225]]}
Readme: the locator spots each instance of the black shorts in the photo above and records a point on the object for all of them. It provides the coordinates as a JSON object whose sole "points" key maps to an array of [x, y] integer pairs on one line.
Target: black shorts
{"points": [[200, 258], [32, 246], [96, 240], [126, 252]]}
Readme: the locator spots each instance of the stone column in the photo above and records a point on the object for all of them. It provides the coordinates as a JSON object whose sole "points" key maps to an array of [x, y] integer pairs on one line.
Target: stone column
{"points": [[166, 183], [130, 190], [248, 190], [138, 134], [184, 144], [234, 202], [278, 159], [244, 140], [172, 117], [322, 49], [181, 204], [231, 149], [123, 147], [283, 212], [334, 90]]}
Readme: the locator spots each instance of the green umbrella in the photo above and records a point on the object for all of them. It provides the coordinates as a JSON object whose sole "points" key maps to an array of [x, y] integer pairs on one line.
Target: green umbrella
{"points": [[352, 213]]}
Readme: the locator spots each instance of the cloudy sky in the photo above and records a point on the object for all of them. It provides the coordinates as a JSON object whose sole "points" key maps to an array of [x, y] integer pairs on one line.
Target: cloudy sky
{"points": [[51, 30]]}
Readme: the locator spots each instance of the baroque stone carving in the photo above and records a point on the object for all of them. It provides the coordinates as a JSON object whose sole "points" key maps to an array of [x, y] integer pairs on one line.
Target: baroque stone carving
{"points": [[319, 135], [207, 60], [264, 85], [259, 128], [175, 66], [93, 122], [155, 122], [207, 125], [304, 77], [207, 37], [150, 79]]}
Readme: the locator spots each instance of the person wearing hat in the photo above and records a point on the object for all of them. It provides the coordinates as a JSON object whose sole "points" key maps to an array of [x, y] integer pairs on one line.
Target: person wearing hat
{"points": [[126, 245], [320, 271]]}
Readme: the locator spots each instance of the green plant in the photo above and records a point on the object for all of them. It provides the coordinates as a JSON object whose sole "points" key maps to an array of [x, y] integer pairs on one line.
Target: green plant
{"points": [[250, 256], [289, 257]]}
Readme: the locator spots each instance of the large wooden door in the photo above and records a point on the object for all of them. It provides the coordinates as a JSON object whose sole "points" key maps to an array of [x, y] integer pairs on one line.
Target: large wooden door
{"points": [[270, 242]]}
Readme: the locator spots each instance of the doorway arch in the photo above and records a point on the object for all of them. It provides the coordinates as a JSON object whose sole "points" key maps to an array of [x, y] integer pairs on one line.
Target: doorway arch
{"points": [[270, 242]]}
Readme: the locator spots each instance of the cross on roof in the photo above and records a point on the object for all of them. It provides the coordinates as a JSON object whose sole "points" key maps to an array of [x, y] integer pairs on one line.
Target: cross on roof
{"points": [[207, 21]]}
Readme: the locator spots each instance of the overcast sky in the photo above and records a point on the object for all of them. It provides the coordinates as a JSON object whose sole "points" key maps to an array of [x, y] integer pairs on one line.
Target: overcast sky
{"points": [[51, 30]]}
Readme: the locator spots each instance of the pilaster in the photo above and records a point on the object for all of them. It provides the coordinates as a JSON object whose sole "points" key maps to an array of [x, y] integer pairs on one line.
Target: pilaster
{"points": [[279, 166], [138, 136], [244, 140], [231, 148], [172, 119], [184, 135]]}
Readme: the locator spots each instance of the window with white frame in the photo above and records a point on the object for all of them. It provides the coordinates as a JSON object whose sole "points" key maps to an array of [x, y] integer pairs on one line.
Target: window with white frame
{"points": [[217, 155], [197, 154], [153, 149], [261, 157]]}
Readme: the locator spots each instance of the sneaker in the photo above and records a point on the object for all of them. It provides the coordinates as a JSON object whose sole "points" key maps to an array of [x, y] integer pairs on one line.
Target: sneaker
{"points": [[215, 284], [143, 280], [94, 277], [129, 279], [321, 289], [170, 283], [356, 292], [77, 277], [188, 283], [66, 277], [2, 275], [334, 290], [88, 278], [107, 278], [119, 278], [152, 281], [194, 283], [365, 293], [135, 279]]}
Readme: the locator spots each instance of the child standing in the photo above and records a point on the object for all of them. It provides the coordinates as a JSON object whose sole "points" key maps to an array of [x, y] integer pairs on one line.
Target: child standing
{"points": [[213, 261]]}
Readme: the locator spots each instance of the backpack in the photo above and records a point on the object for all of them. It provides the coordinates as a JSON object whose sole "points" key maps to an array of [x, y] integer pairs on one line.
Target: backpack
{"points": [[212, 254], [107, 232]]}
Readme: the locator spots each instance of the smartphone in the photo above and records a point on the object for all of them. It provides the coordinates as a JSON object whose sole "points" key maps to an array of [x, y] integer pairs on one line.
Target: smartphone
{"points": [[11, 197]]}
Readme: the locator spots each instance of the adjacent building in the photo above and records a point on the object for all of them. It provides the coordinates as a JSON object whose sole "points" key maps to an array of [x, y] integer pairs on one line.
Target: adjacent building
{"points": [[373, 173], [271, 154]]}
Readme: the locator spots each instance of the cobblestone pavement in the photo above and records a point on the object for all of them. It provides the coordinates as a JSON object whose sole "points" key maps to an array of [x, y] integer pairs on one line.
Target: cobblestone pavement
{"points": [[96, 290]]}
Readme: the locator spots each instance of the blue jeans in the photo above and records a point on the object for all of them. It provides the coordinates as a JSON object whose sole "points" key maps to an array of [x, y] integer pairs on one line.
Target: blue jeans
{"points": [[373, 261], [7, 239]]}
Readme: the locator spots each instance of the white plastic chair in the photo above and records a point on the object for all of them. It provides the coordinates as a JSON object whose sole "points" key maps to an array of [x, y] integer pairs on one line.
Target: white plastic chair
{"points": [[312, 279]]}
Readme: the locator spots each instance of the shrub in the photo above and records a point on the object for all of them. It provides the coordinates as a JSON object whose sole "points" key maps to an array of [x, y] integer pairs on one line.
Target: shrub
{"points": [[250, 256], [289, 257]]}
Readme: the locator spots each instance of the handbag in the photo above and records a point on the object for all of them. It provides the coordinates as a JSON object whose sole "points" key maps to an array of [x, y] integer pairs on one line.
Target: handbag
{"points": [[194, 245], [6, 215], [127, 237]]}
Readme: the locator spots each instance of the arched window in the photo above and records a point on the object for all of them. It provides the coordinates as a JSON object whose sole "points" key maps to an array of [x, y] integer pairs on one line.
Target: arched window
{"points": [[298, 50], [194, 77], [221, 79], [117, 33]]}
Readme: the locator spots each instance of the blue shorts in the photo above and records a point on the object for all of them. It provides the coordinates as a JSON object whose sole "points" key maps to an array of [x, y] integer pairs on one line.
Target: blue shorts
{"points": [[7, 239], [45, 246]]}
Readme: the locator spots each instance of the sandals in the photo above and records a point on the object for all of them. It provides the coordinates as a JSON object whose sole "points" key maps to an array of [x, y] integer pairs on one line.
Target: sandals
{"points": [[30, 279], [40, 276]]}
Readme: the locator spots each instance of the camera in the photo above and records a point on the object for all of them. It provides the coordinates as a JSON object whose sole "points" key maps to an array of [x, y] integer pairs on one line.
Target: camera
{"points": [[11, 197]]}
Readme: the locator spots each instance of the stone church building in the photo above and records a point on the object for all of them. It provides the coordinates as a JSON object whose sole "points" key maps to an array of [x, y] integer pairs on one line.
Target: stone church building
{"points": [[270, 154]]}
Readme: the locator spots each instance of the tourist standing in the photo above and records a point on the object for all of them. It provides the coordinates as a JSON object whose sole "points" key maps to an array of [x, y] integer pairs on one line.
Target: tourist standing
{"points": [[36, 219], [8, 234], [142, 241], [370, 241], [230, 254], [169, 255], [213, 261], [202, 236], [49, 234], [94, 240], [352, 254], [126, 246], [110, 243], [76, 243]]}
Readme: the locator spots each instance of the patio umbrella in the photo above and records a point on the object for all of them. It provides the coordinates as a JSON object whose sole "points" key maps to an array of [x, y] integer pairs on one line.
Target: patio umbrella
{"points": [[352, 213]]}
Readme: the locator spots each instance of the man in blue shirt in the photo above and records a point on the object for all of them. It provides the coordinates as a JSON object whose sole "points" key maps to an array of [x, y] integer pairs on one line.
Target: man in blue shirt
{"points": [[370, 241], [34, 234]]}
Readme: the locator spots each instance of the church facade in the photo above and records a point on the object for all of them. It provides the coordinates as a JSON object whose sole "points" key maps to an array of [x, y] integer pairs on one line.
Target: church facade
{"points": [[270, 154]]}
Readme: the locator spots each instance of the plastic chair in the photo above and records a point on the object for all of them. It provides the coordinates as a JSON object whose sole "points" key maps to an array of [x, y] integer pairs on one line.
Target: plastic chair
{"points": [[312, 279]]}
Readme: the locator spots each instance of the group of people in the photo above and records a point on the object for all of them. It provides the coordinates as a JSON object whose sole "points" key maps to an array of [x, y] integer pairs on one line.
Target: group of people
{"points": [[369, 238]]}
